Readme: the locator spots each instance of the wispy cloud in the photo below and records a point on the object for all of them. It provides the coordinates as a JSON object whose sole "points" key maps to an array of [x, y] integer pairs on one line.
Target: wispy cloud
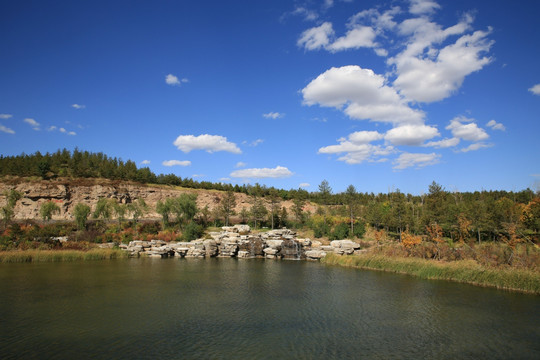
{"points": [[145, 162], [304, 185], [240, 164], [78, 106], [6, 130], [33, 123], [495, 125], [176, 163], [210, 143], [6, 116], [261, 173], [273, 115], [406, 160]]}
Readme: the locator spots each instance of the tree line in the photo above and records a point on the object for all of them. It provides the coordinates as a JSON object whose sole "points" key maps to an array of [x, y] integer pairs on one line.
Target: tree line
{"points": [[483, 215]]}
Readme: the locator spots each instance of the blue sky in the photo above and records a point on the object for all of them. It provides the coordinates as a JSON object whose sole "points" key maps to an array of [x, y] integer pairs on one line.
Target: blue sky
{"points": [[381, 95]]}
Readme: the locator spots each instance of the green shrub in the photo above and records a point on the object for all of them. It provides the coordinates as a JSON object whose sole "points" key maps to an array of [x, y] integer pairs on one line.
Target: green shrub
{"points": [[341, 231], [192, 231]]}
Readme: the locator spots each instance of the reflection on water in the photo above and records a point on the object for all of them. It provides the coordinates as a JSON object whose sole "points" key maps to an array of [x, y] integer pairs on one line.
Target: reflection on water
{"points": [[253, 309]]}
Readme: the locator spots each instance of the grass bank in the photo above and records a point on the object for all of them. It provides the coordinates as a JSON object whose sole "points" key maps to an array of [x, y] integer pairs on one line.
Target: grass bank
{"points": [[19, 256], [464, 271]]}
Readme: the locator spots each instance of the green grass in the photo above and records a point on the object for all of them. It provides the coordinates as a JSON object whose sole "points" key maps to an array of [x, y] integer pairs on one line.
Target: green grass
{"points": [[464, 271], [19, 256]]}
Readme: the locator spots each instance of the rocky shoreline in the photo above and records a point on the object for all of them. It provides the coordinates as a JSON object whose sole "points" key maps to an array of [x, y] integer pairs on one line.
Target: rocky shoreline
{"points": [[238, 241]]}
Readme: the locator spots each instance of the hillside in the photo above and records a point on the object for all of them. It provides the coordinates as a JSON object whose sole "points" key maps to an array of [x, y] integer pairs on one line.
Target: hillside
{"points": [[67, 193]]}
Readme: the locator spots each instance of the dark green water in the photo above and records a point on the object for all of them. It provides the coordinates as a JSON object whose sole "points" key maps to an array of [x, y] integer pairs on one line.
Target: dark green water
{"points": [[253, 309]]}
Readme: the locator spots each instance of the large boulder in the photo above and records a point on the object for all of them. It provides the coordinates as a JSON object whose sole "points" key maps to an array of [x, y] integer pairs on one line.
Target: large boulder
{"points": [[315, 254], [210, 247]]}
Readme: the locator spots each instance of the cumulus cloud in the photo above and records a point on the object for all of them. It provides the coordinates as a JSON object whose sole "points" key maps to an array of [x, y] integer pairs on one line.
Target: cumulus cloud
{"points": [[357, 148], [255, 173], [33, 123], [359, 37], [174, 80], [413, 135], [323, 37], [420, 7], [426, 73], [361, 94], [273, 115], [5, 116], [466, 129], [316, 37], [495, 125], [535, 89], [78, 106], [176, 163], [72, 133], [6, 130], [304, 185], [145, 162], [210, 143], [406, 160]]}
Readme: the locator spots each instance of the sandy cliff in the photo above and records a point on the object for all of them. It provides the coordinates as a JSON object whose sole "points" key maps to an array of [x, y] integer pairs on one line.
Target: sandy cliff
{"points": [[68, 192]]}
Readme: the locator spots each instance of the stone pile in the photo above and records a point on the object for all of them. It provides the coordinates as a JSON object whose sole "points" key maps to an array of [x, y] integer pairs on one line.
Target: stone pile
{"points": [[238, 241]]}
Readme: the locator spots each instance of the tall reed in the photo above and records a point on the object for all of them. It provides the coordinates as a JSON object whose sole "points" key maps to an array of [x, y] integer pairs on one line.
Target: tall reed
{"points": [[464, 271], [60, 255]]}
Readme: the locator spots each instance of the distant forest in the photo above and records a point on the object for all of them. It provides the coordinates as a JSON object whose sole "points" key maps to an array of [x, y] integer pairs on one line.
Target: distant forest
{"points": [[486, 214]]}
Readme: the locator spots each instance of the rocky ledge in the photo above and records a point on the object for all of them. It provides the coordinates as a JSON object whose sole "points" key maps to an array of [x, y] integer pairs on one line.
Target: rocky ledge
{"points": [[238, 241]]}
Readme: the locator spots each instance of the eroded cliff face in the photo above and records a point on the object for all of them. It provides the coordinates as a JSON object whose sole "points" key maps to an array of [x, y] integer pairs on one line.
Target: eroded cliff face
{"points": [[67, 193]]}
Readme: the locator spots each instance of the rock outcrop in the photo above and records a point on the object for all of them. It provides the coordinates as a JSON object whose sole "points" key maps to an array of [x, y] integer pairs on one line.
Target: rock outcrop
{"points": [[67, 193], [238, 241]]}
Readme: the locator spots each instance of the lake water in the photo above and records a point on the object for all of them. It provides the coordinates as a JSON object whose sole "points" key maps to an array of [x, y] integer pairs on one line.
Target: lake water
{"points": [[253, 309]]}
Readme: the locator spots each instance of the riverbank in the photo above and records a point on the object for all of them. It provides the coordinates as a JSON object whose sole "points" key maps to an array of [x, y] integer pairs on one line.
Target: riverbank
{"points": [[464, 271], [20, 256]]}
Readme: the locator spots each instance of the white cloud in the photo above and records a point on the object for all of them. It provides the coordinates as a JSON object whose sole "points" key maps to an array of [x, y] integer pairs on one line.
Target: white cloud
{"points": [[176, 163], [406, 160], [273, 115], [309, 15], [445, 143], [33, 123], [6, 130], [277, 172], [5, 116], [145, 162], [72, 133], [495, 125], [240, 164], [420, 7], [317, 37], [210, 143], [363, 93], [52, 128], [357, 148], [304, 185], [475, 146], [256, 142], [365, 137], [469, 131], [412, 135], [426, 73], [78, 106], [535, 89], [361, 36], [62, 130], [173, 80]]}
